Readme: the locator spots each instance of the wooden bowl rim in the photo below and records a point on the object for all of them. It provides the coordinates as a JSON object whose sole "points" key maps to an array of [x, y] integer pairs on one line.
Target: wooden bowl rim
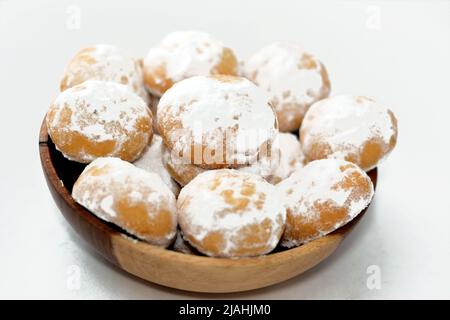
{"points": [[274, 259]]}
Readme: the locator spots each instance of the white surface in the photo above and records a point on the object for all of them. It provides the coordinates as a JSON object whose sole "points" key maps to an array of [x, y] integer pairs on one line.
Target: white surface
{"points": [[403, 61]]}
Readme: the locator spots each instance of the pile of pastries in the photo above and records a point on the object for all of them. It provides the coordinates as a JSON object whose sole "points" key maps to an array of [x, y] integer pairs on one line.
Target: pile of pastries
{"points": [[193, 150]]}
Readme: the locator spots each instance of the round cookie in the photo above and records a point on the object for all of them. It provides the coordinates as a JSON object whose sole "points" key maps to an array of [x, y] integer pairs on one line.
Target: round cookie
{"points": [[244, 215], [291, 156], [265, 166], [105, 63], [181, 171], [293, 79], [184, 54], [353, 128], [321, 197], [134, 199], [97, 119], [151, 160], [216, 121]]}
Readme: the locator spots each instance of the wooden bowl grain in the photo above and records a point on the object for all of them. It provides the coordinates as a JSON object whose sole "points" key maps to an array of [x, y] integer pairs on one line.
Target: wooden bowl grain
{"points": [[170, 268]]}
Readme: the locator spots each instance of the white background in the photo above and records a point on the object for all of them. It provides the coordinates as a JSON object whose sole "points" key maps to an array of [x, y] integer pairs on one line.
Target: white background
{"points": [[397, 52]]}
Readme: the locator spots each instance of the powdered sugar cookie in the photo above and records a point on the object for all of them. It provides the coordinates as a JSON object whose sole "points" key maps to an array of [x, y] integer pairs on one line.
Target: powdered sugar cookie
{"points": [[227, 213], [216, 122], [321, 197], [266, 165], [151, 160], [181, 171], [293, 78], [184, 54], [354, 128], [134, 199], [291, 156], [96, 119], [105, 63]]}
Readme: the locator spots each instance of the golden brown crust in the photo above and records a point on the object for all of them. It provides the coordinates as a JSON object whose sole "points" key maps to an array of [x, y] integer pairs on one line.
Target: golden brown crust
{"points": [[317, 205], [284, 70], [68, 125], [244, 215], [131, 198], [290, 115], [152, 79], [158, 81], [76, 146], [182, 173], [366, 151], [217, 147], [82, 58], [228, 64], [105, 63]]}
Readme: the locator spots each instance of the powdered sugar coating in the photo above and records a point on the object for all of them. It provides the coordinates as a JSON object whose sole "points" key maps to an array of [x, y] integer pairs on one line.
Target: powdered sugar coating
{"points": [[244, 215], [105, 63], [265, 166], [134, 199], [321, 197], [181, 55], [98, 118], [180, 170], [151, 160], [291, 156], [293, 79], [205, 111], [354, 128]]}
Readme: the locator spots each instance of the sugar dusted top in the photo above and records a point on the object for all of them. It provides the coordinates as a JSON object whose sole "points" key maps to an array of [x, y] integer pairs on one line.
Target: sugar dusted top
{"points": [[291, 156], [331, 184], [135, 199], [99, 112], [106, 63], [211, 107], [235, 201], [184, 54], [288, 73], [346, 123]]}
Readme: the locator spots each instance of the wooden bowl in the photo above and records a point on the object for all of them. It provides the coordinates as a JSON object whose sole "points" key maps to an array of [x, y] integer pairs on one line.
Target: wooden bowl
{"points": [[170, 268]]}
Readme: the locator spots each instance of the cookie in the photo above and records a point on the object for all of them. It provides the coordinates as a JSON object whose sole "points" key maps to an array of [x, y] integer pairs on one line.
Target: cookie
{"points": [[216, 122], [136, 200], [151, 160], [105, 63], [99, 119], [354, 128], [293, 78], [322, 197], [232, 214], [184, 54], [291, 156]]}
